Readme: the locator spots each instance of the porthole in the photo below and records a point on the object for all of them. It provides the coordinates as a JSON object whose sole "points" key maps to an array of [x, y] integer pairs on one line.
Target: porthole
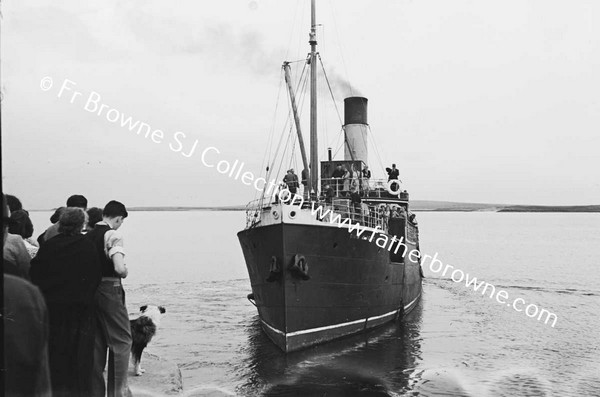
{"points": [[292, 214], [275, 214]]}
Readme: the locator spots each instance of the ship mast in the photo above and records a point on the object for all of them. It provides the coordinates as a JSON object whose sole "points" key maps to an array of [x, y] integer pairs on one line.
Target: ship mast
{"points": [[314, 147], [288, 80]]}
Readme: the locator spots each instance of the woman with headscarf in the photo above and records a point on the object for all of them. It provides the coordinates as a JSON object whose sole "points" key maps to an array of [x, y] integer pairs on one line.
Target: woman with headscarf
{"points": [[67, 270]]}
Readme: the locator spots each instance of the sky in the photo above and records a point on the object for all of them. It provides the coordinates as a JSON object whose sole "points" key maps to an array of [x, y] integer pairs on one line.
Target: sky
{"points": [[474, 100]]}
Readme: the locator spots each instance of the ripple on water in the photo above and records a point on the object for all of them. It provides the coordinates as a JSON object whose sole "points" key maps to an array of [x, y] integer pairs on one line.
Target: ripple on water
{"points": [[462, 346]]}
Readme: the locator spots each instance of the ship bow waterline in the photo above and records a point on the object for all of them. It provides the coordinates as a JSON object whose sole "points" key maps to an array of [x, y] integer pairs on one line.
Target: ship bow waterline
{"points": [[350, 284]]}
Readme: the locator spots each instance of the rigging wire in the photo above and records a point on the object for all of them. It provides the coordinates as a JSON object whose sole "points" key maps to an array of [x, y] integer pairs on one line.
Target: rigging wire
{"points": [[297, 60], [269, 146], [301, 36], [287, 142], [302, 98], [376, 148], [272, 167], [323, 120], [302, 80], [290, 142], [337, 110], [337, 148], [292, 30], [352, 93], [335, 25]]}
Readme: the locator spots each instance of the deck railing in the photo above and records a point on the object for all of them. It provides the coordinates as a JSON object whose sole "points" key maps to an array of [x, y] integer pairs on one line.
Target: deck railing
{"points": [[369, 215], [341, 210], [367, 188]]}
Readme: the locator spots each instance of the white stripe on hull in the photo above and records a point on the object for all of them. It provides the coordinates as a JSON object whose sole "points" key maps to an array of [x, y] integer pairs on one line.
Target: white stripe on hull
{"points": [[412, 302], [328, 327]]}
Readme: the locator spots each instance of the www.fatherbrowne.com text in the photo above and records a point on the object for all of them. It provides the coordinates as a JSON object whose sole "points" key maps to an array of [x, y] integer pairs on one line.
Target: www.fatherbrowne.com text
{"points": [[394, 244]]}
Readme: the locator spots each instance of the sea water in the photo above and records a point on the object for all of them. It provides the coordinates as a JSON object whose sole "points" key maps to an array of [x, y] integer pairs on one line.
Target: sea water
{"points": [[457, 342]]}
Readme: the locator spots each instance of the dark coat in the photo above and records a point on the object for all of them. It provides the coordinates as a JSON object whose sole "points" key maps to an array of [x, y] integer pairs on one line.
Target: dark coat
{"points": [[26, 370], [338, 173], [67, 271], [292, 181]]}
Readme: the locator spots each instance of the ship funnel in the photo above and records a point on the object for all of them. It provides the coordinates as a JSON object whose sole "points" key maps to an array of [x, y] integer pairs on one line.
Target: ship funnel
{"points": [[355, 128]]}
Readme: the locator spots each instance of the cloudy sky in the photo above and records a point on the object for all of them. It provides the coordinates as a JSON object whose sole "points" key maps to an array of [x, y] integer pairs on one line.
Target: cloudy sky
{"points": [[477, 101]]}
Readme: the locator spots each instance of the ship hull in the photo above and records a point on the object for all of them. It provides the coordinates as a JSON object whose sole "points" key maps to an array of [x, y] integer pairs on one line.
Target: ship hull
{"points": [[353, 283]]}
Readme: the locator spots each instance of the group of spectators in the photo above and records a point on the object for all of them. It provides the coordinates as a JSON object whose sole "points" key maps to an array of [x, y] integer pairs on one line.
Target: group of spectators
{"points": [[347, 180], [64, 304], [344, 182]]}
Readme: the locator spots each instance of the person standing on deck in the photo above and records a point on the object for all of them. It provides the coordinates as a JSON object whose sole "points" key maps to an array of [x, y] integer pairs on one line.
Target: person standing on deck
{"points": [[346, 185], [113, 331], [354, 178], [366, 176], [393, 175], [291, 180], [355, 201], [328, 194]]}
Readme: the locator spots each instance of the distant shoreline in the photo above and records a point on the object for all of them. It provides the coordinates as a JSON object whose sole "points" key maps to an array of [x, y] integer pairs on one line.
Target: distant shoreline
{"points": [[417, 206]]}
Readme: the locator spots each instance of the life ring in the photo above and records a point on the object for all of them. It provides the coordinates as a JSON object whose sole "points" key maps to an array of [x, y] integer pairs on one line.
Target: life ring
{"points": [[389, 187], [300, 267]]}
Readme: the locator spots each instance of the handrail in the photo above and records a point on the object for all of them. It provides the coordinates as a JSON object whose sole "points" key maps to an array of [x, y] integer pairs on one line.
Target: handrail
{"points": [[367, 188], [339, 209]]}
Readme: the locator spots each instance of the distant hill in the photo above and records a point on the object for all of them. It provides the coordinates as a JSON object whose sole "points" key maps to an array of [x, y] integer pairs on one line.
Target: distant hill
{"points": [[543, 208], [428, 205], [417, 205], [422, 205]]}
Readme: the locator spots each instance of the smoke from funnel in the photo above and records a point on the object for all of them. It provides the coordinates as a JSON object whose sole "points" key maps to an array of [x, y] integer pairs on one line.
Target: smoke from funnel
{"points": [[341, 87]]}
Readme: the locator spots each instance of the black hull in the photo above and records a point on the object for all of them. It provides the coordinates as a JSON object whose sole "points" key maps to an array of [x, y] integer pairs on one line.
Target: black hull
{"points": [[353, 285]]}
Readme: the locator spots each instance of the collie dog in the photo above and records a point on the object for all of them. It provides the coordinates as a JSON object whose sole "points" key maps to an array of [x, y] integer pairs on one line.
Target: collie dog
{"points": [[143, 329]]}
